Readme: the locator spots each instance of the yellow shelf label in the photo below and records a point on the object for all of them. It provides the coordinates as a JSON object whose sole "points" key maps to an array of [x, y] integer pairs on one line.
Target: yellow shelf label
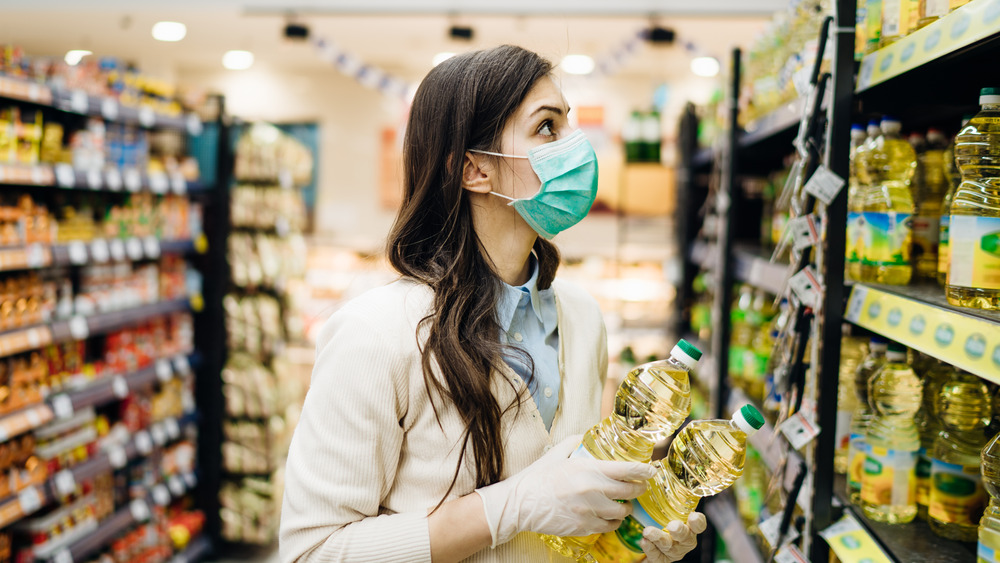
{"points": [[851, 542], [967, 342], [976, 20]]}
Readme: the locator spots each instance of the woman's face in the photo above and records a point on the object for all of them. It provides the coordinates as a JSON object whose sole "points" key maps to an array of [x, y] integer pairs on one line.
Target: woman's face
{"points": [[541, 118]]}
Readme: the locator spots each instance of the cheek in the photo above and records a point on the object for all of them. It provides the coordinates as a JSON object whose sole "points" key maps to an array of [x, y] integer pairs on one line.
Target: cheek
{"points": [[526, 182]]}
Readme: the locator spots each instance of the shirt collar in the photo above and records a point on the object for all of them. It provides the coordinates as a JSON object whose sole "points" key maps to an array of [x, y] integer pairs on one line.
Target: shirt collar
{"points": [[512, 296]]}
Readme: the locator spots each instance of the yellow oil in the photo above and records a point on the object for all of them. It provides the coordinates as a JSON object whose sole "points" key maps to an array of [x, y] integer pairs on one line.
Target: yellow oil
{"points": [[857, 450], [974, 264], [888, 482], [858, 229], [705, 458], [758, 352], [989, 525], [853, 350], [741, 336], [935, 374], [888, 209], [957, 497], [928, 196], [852, 260], [931, 10], [954, 179]]}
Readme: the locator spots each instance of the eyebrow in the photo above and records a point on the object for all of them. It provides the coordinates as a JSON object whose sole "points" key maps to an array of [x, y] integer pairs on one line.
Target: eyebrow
{"points": [[553, 109]]}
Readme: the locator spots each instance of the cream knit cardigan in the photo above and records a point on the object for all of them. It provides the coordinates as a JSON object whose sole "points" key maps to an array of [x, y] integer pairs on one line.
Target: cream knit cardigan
{"points": [[368, 459]]}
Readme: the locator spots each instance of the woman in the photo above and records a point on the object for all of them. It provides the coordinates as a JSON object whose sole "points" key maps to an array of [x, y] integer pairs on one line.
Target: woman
{"points": [[428, 430]]}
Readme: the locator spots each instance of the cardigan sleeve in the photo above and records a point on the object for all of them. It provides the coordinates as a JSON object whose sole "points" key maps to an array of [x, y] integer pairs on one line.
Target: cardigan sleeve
{"points": [[344, 453]]}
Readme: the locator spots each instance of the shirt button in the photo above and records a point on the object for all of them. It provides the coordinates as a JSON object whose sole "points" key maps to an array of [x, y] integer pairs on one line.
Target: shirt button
{"points": [[518, 337], [548, 391], [547, 448]]}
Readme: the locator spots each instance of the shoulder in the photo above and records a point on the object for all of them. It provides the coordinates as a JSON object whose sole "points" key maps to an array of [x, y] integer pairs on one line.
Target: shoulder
{"points": [[575, 300], [392, 311]]}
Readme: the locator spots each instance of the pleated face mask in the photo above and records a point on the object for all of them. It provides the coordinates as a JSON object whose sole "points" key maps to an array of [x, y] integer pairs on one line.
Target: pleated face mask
{"points": [[568, 171]]}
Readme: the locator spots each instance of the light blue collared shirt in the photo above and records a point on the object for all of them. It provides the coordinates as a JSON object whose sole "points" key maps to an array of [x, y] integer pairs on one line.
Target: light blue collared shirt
{"points": [[528, 320]]}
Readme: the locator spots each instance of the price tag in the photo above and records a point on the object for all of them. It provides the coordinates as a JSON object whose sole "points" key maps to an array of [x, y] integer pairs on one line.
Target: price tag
{"points": [[117, 247], [159, 183], [161, 495], [804, 231], [790, 554], [172, 428], [799, 429], [191, 479], [113, 179], [65, 483], [119, 387], [34, 338], [134, 248], [78, 101], [94, 179], [63, 556], [856, 304], [824, 184], [151, 246], [78, 328], [30, 500], [117, 456], [34, 92], [801, 81], [34, 419], [163, 370], [36, 256], [109, 109], [771, 528], [179, 558], [181, 365], [65, 175], [139, 510], [159, 434], [852, 543], [99, 251], [143, 443], [62, 406], [132, 179], [77, 253], [285, 179], [176, 485], [807, 288], [38, 175], [194, 125], [147, 118], [178, 184]]}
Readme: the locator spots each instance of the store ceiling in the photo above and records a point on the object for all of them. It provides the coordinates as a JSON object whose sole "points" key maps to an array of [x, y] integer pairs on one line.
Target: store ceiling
{"points": [[378, 33]]}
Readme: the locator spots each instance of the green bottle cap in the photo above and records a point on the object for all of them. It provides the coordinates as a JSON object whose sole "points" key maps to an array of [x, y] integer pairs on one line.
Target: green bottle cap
{"points": [[990, 92], [752, 416], [897, 347], [689, 349]]}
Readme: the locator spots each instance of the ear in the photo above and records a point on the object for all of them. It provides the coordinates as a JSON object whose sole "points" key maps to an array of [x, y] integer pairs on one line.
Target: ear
{"points": [[476, 175]]}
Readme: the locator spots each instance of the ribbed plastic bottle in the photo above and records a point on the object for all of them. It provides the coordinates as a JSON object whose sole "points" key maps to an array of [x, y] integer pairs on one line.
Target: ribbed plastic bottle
{"points": [[866, 173], [705, 458], [857, 449], [929, 425], [758, 353], [974, 263], [928, 194], [853, 350], [988, 550], [954, 179], [852, 260], [650, 404], [741, 335], [957, 496], [889, 481], [889, 208]]}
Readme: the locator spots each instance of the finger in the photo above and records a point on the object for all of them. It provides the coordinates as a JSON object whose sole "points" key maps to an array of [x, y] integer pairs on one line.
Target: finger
{"points": [[607, 509], [697, 522], [622, 490], [679, 531], [658, 537], [625, 470], [653, 554]]}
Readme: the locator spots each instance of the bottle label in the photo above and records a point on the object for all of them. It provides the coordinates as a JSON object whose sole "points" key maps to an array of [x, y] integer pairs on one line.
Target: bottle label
{"points": [[855, 232], [874, 13], [892, 17], [935, 8], [988, 550], [736, 356], [889, 477], [622, 546], [957, 494], [887, 239], [581, 452], [923, 478], [857, 452], [975, 252], [842, 436], [925, 236], [944, 236]]}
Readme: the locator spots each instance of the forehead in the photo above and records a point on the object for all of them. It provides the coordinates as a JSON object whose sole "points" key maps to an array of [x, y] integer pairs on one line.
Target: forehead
{"points": [[545, 92]]}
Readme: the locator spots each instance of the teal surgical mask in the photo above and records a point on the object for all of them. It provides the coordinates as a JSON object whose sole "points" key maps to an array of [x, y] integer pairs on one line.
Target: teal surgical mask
{"points": [[568, 171]]}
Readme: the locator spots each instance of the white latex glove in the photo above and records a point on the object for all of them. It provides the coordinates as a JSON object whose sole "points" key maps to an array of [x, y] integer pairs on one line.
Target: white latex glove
{"points": [[563, 497], [671, 545]]}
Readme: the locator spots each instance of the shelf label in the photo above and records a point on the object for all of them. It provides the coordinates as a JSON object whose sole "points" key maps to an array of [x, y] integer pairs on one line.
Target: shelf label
{"points": [[158, 433], [176, 485], [172, 428], [113, 179], [109, 109], [799, 430], [193, 124], [77, 253], [143, 443], [161, 495], [38, 176], [151, 247], [824, 184], [132, 179], [851, 543], [159, 183], [63, 556], [117, 247], [806, 287], [65, 483], [139, 510], [771, 529], [163, 370], [181, 365], [62, 406], [117, 456], [790, 554], [94, 179], [33, 416], [178, 184], [147, 117], [36, 257], [99, 251], [78, 101], [191, 479], [65, 175], [78, 328], [134, 248], [119, 387], [804, 231], [30, 500]]}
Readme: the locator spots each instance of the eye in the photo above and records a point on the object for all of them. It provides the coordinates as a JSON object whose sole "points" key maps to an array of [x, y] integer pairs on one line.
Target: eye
{"points": [[546, 129]]}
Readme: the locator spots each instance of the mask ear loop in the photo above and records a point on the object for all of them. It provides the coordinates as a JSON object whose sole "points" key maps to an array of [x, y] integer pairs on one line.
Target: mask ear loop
{"points": [[511, 199]]}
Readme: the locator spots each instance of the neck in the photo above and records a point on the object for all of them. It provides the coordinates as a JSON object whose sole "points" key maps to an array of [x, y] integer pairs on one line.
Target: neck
{"points": [[503, 236]]}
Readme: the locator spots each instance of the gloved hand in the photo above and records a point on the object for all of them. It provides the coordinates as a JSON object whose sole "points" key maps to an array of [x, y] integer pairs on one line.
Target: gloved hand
{"points": [[671, 545], [563, 497]]}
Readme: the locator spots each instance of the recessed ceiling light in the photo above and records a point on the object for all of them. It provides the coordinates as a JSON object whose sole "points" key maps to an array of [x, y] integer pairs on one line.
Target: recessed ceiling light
{"points": [[442, 57], [74, 56], [237, 60], [705, 66], [169, 31], [577, 64]]}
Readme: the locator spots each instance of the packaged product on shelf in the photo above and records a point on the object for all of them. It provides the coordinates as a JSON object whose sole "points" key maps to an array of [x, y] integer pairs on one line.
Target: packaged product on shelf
{"points": [[248, 509], [758, 353], [857, 228], [852, 261], [20, 465], [957, 497], [931, 10], [873, 25], [23, 380], [65, 443], [929, 189], [929, 426], [888, 480], [974, 231], [988, 549], [853, 350], [741, 335], [857, 452], [954, 179]]}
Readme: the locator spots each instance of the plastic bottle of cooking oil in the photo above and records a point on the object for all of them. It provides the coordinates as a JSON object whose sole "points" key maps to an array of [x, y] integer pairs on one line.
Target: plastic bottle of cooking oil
{"points": [[888, 209], [759, 350], [989, 526], [865, 170], [851, 256], [853, 350], [705, 458], [928, 425], [895, 21], [954, 179], [873, 31], [651, 403], [928, 195], [931, 10], [857, 450], [888, 481], [957, 496], [742, 334], [974, 263], [751, 489]]}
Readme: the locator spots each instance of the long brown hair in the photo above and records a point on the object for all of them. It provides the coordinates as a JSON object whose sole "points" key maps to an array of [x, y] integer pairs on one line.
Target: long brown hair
{"points": [[463, 103]]}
